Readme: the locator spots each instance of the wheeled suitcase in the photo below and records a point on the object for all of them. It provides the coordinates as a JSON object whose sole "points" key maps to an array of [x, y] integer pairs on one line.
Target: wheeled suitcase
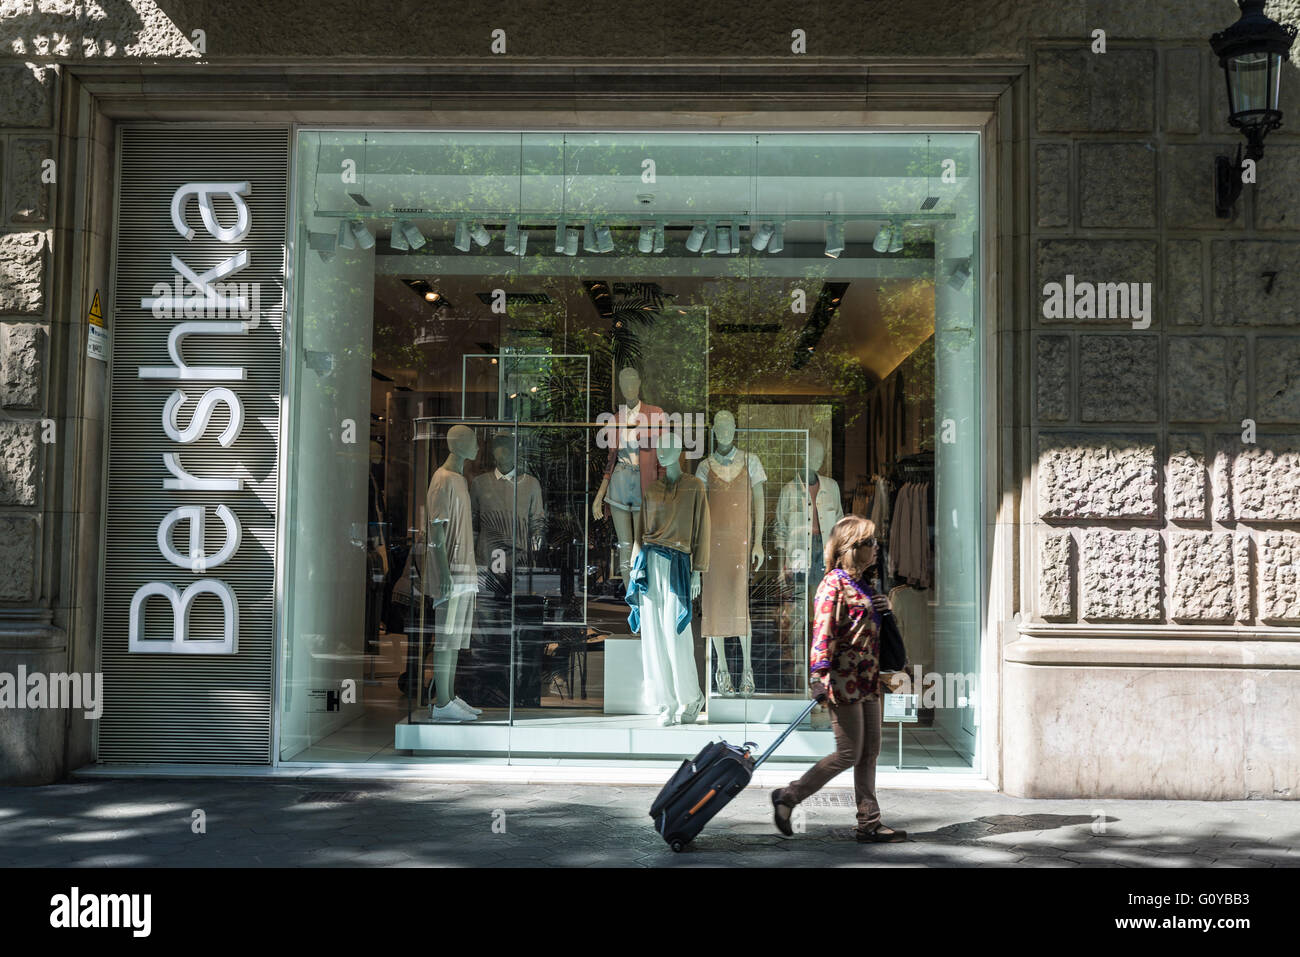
{"points": [[705, 784]]}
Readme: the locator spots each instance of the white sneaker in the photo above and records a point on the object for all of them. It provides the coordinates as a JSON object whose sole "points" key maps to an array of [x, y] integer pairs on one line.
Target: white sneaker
{"points": [[463, 708], [465, 705], [450, 714]]}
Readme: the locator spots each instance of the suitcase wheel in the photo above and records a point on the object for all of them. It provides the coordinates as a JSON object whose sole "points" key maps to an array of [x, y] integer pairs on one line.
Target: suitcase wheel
{"points": [[677, 846]]}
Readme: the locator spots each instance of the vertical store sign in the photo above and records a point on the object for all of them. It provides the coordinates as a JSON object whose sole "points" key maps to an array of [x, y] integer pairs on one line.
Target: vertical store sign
{"points": [[187, 634], [227, 310]]}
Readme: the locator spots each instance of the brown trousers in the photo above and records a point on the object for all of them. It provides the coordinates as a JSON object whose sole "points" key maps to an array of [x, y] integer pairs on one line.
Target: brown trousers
{"points": [[857, 745]]}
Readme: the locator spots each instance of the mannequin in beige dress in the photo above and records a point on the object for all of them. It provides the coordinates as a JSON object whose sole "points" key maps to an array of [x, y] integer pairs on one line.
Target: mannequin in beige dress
{"points": [[735, 480]]}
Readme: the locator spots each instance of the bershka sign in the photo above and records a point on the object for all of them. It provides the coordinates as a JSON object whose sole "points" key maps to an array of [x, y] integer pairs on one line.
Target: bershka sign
{"points": [[195, 317], [205, 296]]}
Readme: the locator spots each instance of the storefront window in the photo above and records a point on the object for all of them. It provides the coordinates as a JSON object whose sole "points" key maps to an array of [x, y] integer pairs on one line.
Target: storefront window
{"points": [[527, 369]]}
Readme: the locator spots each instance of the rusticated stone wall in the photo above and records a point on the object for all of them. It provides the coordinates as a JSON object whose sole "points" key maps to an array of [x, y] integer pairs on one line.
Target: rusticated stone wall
{"points": [[1168, 454]]}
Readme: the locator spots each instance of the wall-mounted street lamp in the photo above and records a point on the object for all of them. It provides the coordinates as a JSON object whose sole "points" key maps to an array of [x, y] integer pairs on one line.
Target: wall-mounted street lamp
{"points": [[1251, 52]]}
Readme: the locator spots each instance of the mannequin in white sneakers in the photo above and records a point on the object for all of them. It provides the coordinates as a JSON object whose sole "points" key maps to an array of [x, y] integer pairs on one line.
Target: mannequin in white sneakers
{"points": [[735, 480], [667, 563], [448, 500]]}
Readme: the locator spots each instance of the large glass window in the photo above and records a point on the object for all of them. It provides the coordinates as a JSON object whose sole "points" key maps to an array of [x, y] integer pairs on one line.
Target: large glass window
{"points": [[536, 375]]}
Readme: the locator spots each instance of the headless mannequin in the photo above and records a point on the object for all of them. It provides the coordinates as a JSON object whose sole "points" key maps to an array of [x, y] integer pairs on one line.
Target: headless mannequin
{"points": [[682, 670], [462, 444], [627, 524], [724, 440]]}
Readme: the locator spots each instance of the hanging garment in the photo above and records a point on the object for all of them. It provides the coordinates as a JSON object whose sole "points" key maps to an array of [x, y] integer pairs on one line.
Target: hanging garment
{"points": [[880, 509], [912, 611], [724, 597]]}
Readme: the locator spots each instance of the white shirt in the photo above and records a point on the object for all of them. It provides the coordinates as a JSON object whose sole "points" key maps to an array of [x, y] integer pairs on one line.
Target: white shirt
{"points": [[508, 475]]}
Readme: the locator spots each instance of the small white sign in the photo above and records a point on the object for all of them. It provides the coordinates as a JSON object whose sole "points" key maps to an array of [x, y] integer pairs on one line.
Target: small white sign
{"points": [[901, 708], [97, 343]]}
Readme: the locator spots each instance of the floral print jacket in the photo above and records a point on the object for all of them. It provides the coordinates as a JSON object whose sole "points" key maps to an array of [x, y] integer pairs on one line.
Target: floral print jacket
{"points": [[846, 637]]}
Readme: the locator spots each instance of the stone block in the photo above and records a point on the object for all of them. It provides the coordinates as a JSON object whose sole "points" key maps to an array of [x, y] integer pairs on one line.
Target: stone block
{"points": [[17, 558], [1077, 90], [1185, 490], [1202, 569], [1055, 576], [1242, 292], [22, 274], [21, 360], [1277, 378], [1119, 378], [1279, 577], [1276, 199], [1054, 381], [1052, 185], [1182, 109], [1094, 260], [1090, 475], [18, 466], [165, 31], [1243, 607], [1189, 188], [28, 197], [1120, 575], [1265, 477], [1117, 186], [1202, 374], [1183, 270], [26, 95]]}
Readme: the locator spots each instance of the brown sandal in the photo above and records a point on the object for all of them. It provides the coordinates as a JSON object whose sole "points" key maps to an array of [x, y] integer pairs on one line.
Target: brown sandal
{"points": [[880, 835]]}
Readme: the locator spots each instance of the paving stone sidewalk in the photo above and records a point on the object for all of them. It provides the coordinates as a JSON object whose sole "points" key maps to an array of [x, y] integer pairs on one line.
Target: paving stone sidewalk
{"points": [[149, 822]]}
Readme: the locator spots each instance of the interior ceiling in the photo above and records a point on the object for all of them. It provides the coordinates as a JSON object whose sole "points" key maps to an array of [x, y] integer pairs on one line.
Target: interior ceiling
{"points": [[879, 322]]}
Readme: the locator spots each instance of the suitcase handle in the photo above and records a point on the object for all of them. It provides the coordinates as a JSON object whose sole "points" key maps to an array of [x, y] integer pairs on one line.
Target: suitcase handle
{"points": [[821, 696]]}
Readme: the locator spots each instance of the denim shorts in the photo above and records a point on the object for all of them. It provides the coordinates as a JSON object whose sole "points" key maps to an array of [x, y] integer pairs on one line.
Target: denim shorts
{"points": [[624, 491]]}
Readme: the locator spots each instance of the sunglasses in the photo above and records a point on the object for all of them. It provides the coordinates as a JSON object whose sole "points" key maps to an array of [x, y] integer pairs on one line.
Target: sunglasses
{"points": [[867, 542]]}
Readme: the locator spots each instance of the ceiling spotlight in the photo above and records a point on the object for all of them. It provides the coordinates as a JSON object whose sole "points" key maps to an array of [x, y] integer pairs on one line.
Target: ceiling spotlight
{"points": [[432, 296], [724, 240], [462, 236], [834, 239], [896, 239], [884, 238], [323, 243], [516, 239], [589, 238], [345, 240], [561, 236], [960, 273], [396, 239], [777, 242], [696, 239], [659, 238], [480, 235], [761, 238], [364, 236], [735, 239], [571, 243], [710, 239], [414, 238], [645, 242], [604, 239], [523, 243]]}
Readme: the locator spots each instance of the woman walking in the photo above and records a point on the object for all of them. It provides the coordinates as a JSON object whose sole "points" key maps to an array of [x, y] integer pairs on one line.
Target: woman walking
{"points": [[845, 662]]}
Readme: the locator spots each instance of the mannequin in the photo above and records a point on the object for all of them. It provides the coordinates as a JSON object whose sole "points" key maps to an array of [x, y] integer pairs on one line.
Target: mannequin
{"points": [[509, 520], [448, 500], [799, 525], [668, 560], [735, 480], [630, 467]]}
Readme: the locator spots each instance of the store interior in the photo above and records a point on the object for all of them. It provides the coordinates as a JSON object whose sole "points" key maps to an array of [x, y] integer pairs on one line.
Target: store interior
{"points": [[506, 359]]}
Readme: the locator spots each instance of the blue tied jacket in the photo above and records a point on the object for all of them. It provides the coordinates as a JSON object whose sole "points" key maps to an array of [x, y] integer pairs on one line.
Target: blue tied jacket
{"points": [[679, 582]]}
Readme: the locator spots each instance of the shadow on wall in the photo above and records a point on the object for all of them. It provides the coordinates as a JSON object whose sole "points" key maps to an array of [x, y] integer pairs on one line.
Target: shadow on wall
{"points": [[108, 28]]}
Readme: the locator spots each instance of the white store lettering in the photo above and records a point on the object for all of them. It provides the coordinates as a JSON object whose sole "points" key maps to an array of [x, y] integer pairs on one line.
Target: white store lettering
{"points": [[210, 297]]}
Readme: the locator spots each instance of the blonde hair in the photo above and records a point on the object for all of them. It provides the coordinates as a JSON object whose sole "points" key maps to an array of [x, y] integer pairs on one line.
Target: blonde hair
{"points": [[839, 546]]}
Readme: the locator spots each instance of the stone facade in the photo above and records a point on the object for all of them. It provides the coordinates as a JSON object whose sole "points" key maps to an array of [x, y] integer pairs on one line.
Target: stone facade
{"points": [[1164, 487]]}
